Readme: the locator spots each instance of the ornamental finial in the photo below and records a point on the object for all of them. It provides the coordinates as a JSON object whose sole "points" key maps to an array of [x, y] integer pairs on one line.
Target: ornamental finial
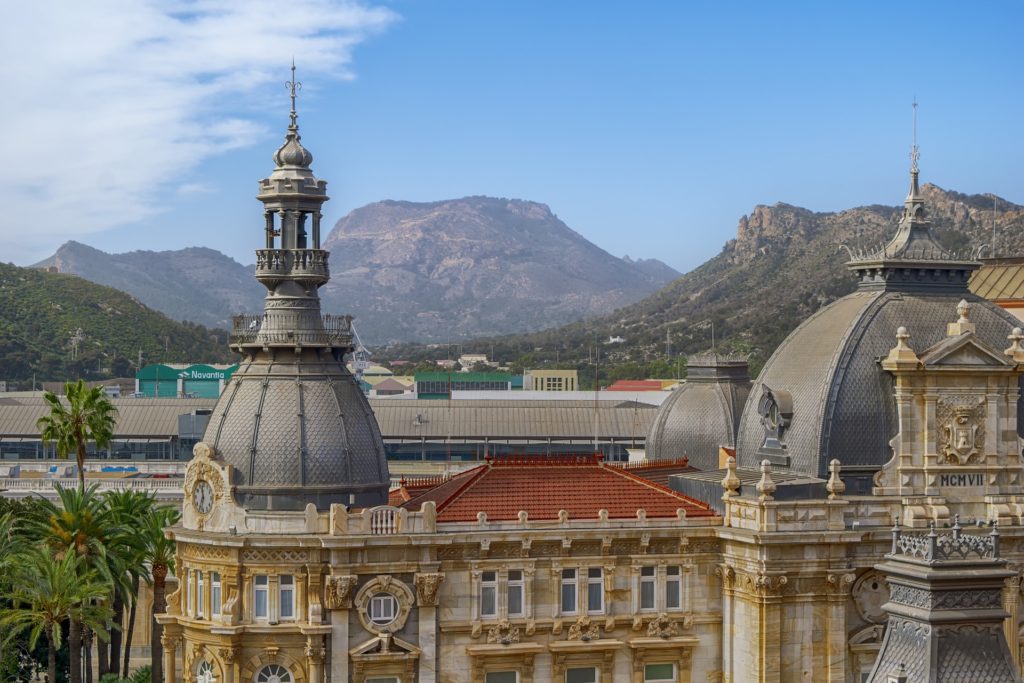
{"points": [[293, 88], [915, 154]]}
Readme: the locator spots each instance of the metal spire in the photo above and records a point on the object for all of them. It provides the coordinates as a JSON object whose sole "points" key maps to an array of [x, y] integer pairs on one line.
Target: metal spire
{"points": [[914, 153], [293, 88]]}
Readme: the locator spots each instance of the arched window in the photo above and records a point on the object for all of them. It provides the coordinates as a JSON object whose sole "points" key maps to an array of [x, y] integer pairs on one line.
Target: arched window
{"points": [[204, 673], [274, 673]]}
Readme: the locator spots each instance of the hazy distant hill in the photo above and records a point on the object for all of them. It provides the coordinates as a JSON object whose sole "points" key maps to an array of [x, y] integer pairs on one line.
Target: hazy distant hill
{"points": [[196, 284], [40, 311], [406, 271], [473, 266], [784, 264]]}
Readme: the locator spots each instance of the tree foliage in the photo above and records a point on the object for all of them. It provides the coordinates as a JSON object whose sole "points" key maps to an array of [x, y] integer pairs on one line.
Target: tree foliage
{"points": [[66, 566], [82, 416], [41, 312]]}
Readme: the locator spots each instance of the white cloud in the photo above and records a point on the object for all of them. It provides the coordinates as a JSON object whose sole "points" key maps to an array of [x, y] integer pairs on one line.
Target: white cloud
{"points": [[109, 103]]}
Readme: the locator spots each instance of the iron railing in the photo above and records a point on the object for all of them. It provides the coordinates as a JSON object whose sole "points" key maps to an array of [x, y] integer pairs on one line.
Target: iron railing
{"points": [[935, 547]]}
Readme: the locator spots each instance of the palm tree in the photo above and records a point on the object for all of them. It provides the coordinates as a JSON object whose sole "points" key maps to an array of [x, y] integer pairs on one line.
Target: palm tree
{"points": [[160, 556], [82, 526], [88, 416], [46, 591], [128, 508]]}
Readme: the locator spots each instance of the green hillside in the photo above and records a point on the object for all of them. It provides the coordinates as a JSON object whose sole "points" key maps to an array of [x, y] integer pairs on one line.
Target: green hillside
{"points": [[41, 312]]}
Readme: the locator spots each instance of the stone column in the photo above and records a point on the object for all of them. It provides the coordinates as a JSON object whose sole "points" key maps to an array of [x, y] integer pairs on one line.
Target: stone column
{"points": [[837, 588], [427, 588], [769, 607], [1011, 603], [338, 599], [228, 656], [339, 646], [170, 641], [728, 576], [315, 653]]}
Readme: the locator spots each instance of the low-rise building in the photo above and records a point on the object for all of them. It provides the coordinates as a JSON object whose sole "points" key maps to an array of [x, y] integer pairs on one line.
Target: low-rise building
{"points": [[172, 380], [551, 380]]}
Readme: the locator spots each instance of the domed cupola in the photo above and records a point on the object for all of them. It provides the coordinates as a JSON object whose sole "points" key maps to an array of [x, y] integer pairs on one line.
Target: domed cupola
{"points": [[292, 422], [702, 414], [823, 394]]}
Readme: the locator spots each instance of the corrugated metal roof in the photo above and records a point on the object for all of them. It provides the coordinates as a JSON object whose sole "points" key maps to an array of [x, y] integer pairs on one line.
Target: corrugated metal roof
{"points": [[998, 282], [136, 417], [398, 418], [433, 419]]}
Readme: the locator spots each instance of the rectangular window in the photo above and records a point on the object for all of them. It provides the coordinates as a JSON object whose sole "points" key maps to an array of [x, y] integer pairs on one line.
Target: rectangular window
{"points": [[187, 588], [515, 592], [501, 677], [587, 674], [383, 608], [259, 602], [673, 588], [660, 673], [595, 590], [286, 596], [569, 591], [215, 594], [488, 594], [647, 589], [200, 595]]}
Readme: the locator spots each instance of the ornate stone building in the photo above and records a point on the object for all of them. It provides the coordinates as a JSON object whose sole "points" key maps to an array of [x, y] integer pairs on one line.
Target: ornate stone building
{"points": [[296, 566]]}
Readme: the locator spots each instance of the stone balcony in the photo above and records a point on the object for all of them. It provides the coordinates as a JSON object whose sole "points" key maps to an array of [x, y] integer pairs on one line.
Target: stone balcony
{"points": [[276, 265], [246, 331]]}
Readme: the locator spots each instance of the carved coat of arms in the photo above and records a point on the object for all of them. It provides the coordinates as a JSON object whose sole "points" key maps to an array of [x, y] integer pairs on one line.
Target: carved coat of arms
{"points": [[961, 431]]}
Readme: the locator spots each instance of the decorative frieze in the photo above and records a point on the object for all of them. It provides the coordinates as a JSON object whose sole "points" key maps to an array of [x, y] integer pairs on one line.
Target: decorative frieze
{"points": [[268, 556]]}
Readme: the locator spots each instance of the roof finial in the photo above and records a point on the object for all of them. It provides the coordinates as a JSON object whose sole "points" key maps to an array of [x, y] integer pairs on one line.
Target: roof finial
{"points": [[914, 153], [294, 87]]}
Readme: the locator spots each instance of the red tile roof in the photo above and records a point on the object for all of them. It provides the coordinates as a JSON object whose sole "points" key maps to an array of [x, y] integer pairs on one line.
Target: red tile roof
{"points": [[636, 385], [542, 486]]}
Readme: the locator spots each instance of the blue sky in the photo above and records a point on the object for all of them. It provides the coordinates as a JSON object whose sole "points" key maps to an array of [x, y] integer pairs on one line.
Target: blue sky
{"points": [[650, 128]]}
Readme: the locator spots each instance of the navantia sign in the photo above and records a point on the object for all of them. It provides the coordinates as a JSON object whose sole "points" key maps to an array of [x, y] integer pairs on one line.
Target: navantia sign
{"points": [[205, 372]]}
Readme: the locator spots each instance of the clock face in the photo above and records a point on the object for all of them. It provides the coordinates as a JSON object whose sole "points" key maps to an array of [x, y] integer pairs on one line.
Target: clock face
{"points": [[202, 497]]}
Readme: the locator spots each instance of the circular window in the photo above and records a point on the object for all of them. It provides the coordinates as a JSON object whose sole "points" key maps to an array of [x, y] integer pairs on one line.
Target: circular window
{"points": [[274, 673], [382, 608], [204, 673]]}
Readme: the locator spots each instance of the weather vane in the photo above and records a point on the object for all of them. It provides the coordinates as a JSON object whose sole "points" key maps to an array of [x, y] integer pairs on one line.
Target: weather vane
{"points": [[914, 154], [294, 87]]}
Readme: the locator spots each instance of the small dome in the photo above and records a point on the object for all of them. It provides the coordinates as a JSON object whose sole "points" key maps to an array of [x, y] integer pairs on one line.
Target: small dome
{"points": [[703, 414], [299, 433], [292, 153]]}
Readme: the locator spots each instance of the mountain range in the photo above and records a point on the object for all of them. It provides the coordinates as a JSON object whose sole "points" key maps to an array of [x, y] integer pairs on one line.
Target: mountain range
{"points": [[785, 263], [406, 271]]}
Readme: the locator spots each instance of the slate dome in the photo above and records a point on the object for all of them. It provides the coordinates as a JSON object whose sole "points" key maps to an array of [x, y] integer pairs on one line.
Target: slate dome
{"points": [[823, 394], [702, 414]]}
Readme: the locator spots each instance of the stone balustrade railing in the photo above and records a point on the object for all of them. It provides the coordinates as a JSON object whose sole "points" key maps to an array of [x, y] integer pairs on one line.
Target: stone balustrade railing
{"points": [[293, 263], [165, 489]]}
